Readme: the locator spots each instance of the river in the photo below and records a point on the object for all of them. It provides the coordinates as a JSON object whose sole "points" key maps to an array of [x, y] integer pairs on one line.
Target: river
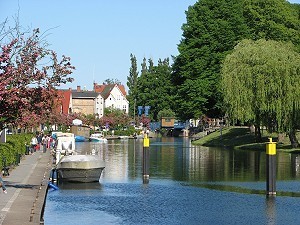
{"points": [[188, 185]]}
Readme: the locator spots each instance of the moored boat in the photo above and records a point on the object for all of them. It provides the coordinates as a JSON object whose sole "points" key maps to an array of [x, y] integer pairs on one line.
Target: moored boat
{"points": [[79, 138], [123, 137], [98, 137], [80, 168], [64, 145]]}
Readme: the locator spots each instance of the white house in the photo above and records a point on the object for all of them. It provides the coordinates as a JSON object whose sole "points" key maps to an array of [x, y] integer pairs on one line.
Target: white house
{"points": [[114, 96]]}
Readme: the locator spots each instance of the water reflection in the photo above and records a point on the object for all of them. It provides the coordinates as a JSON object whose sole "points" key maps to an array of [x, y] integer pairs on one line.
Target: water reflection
{"points": [[177, 159], [188, 185], [271, 210]]}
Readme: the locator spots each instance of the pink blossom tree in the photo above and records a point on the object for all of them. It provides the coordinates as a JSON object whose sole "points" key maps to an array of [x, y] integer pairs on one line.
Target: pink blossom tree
{"points": [[29, 74]]}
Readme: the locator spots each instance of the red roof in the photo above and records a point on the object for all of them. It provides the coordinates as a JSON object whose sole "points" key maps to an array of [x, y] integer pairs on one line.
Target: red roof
{"points": [[105, 89]]}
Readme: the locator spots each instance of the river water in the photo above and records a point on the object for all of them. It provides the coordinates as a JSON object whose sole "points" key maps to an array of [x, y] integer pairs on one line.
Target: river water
{"points": [[188, 185]]}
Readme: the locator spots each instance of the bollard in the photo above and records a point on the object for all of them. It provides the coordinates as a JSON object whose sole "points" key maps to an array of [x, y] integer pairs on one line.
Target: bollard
{"points": [[53, 176], [146, 159], [271, 167]]}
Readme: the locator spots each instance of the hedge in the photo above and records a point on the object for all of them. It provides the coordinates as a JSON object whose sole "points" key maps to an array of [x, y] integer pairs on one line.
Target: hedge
{"points": [[15, 145]]}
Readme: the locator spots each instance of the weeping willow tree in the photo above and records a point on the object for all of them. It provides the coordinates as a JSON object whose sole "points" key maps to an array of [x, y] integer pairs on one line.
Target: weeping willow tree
{"points": [[261, 84]]}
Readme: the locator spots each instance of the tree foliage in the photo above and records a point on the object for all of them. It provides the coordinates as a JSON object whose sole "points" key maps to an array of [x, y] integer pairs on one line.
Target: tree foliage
{"points": [[272, 19], [165, 113], [29, 73], [260, 82], [132, 84], [212, 30], [114, 118], [111, 81], [154, 86]]}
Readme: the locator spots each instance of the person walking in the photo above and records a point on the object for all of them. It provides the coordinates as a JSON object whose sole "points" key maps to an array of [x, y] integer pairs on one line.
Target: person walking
{"points": [[33, 144], [39, 139], [3, 185], [44, 143]]}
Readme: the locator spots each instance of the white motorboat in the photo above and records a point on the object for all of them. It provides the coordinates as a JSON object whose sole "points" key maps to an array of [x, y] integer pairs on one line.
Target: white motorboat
{"points": [[80, 168], [98, 137], [64, 145], [123, 137]]}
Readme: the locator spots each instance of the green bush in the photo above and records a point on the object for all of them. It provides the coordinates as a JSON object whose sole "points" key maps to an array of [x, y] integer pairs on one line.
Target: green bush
{"points": [[15, 144]]}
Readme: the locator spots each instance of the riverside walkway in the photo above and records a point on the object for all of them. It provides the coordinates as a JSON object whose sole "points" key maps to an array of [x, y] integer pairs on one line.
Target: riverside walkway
{"points": [[27, 187]]}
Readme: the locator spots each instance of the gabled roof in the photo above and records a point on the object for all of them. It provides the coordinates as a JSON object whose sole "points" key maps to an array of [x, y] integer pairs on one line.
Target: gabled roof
{"points": [[105, 89]]}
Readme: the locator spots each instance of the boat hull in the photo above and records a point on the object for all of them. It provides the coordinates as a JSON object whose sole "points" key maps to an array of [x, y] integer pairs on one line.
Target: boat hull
{"points": [[80, 168], [80, 175], [98, 140]]}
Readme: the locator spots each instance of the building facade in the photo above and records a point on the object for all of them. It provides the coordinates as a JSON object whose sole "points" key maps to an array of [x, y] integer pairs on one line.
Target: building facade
{"points": [[92, 102], [114, 96], [87, 102]]}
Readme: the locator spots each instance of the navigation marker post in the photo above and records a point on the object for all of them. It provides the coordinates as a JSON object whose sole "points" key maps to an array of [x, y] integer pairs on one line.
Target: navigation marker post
{"points": [[146, 159], [271, 167]]}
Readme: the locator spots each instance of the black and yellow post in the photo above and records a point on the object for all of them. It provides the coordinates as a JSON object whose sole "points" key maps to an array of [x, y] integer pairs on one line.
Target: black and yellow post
{"points": [[146, 159], [271, 167]]}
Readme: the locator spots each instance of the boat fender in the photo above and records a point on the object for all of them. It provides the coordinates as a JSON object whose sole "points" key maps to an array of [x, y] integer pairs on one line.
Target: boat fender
{"points": [[53, 186]]}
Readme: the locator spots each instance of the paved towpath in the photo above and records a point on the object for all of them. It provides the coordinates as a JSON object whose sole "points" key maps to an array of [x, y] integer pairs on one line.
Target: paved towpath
{"points": [[27, 188]]}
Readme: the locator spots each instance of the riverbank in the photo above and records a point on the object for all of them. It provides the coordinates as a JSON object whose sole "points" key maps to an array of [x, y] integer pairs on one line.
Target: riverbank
{"points": [[26, 190], [242, 138]]}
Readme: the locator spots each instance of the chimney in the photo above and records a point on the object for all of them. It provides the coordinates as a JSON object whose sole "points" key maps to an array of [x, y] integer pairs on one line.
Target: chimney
{"points": [[78, 89]]}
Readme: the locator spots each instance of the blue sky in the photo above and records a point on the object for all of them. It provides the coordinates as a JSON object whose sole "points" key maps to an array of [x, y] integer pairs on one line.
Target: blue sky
{"points": [[99, 35]]}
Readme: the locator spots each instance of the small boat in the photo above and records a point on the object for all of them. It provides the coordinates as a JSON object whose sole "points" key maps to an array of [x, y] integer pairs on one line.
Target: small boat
{"points": [[79, 138], [140, 136], [123, 137], [98, 137], [80, 168]]}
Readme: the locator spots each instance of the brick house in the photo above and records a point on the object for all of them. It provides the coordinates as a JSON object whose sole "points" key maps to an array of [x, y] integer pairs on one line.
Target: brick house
{"points": [[87, 102]]}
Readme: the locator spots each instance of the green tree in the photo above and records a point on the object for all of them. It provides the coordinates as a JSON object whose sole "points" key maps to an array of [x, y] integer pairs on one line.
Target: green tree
{"points": [[132, 85], [154, 86], [211, 31], [165, 113], [112, 81], [272, 19], [260, 81]]}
